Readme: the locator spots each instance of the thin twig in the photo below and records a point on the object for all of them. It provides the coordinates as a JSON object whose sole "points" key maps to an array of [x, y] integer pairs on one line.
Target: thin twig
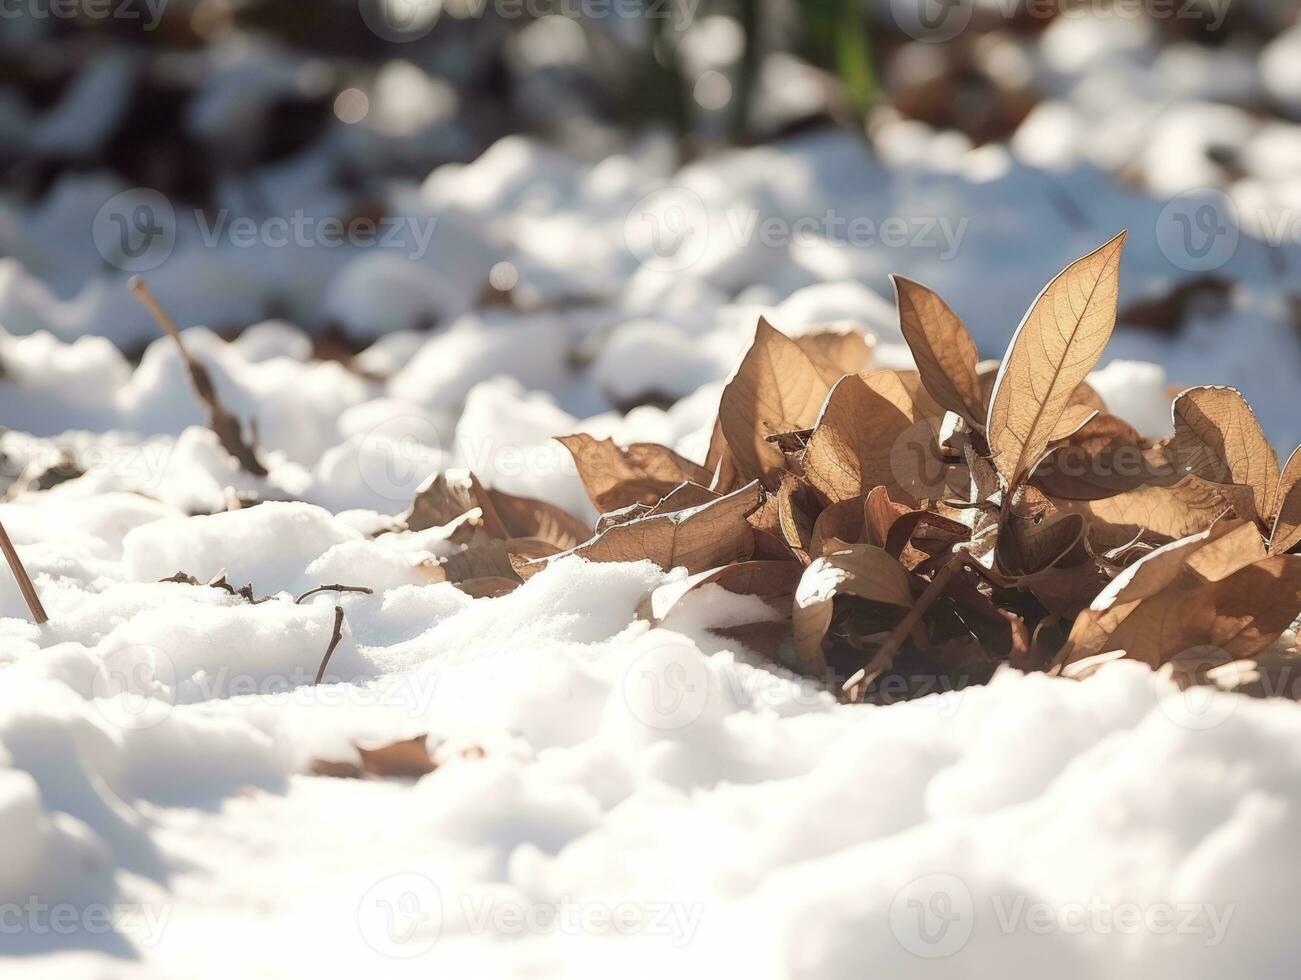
{"points": [[24, 581], [363, 590], [885, 655], [220, 420], [335, 639]]}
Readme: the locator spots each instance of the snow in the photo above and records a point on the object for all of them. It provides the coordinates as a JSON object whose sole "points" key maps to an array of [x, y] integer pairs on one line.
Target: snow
{"points": [[613, 796], [1111, 824]]}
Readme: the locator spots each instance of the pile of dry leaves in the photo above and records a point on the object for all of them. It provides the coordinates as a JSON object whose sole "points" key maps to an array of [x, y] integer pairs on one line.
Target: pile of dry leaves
{"points": [[936, 523]]}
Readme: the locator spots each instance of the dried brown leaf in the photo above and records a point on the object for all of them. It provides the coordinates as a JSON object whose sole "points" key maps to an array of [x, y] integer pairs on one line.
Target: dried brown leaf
{"points": [[1286, 532], [776, 388], [1029, 546], [861, 570], [772, 581], [946, 355], [842, 520], [865, 439], [408, 759], [698, 538], [836, 352], [642, 473], [1057, 344], [1189, 571], [1218, 439], [1173, 511]]}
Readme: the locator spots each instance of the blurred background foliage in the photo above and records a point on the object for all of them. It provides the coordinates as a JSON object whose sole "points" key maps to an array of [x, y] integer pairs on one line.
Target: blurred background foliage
{"points": [[172, 93]]}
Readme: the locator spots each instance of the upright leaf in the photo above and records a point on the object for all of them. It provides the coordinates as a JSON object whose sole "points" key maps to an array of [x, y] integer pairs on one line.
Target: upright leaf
{"points": [[946, 355], [1057, 344]]}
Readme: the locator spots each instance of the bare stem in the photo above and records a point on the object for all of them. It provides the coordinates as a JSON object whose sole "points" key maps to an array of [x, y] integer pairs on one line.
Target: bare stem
{"points": [[335, 638], [904, 627], [363, 590], [24, 580]]}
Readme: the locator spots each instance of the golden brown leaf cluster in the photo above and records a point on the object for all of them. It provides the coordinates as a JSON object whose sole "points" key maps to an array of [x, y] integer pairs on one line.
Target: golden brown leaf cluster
{"points": [[939, 522]]}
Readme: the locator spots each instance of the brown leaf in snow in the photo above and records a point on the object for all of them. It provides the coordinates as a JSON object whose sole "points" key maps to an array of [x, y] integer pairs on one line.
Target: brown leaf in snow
{"points": [[776, 388], [1055, 347], [1101, 459], [489, 586], [642, 473], [621, 516], [879, 515], [724, 476], [1029, 546], [699, 538], [221, 421], [946, 355], [1240, 614], [525, 517], [490, 559], [861, 570], [797, 507], [447, 497], [842, 520], [684, 497], [1169, 511], [408, 759], [1218, 439], [1286, 532], [1154, 586], [865, 439], [772, 581], [836, 352]]}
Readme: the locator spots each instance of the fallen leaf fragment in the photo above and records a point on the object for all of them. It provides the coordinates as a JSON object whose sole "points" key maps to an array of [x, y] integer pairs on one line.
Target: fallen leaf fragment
{"points": [[698, 538], [616, 476]]}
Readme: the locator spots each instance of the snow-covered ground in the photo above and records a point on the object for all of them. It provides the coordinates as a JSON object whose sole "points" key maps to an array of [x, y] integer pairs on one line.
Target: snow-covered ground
{"points": [[645, 802], [612, 797]]}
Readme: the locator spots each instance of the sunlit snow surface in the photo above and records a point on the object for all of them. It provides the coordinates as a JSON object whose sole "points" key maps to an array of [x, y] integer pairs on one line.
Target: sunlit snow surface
{"points": [[648, 801]]}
